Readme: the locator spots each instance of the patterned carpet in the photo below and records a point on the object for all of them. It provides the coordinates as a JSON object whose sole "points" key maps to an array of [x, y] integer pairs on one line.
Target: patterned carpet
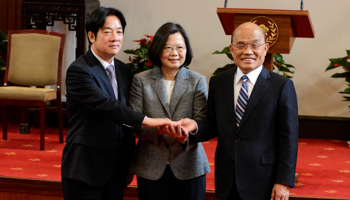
{"points": [[323, 165]]}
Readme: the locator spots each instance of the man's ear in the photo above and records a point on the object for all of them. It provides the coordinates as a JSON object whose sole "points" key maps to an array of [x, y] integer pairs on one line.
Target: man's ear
{"points": [[91, 37], [231, 48], [267, 46]]}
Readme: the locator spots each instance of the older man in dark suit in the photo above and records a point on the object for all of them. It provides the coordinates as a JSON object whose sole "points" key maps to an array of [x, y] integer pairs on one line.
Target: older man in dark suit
{"points": [[254, 114], [97, 155]]}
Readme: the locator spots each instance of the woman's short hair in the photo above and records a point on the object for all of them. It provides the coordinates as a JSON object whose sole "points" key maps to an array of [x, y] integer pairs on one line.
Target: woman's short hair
{"points": [[98, 17], [159, 41]]}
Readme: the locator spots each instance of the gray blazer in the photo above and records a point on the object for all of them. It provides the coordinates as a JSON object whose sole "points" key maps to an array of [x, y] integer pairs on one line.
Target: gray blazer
{"points": [[189, 99]]}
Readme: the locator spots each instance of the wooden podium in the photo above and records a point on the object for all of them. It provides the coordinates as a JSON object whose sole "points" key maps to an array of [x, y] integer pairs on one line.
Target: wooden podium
{"points": [[281, 26]]}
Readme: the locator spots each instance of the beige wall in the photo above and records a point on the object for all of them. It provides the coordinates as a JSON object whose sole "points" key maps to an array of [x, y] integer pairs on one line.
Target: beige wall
{"points": [[317, 91]]}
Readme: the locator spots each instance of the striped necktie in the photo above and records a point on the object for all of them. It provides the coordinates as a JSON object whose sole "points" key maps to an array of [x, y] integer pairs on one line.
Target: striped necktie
{"points": [[242, 100], [111, 75]]}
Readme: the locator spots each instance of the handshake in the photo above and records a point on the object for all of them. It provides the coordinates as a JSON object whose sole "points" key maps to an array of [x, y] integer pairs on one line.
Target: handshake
{"points": [[178, 130]]}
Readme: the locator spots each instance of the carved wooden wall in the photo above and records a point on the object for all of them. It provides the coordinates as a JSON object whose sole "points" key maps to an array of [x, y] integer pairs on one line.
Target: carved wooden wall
{"points": [[42, 13]]}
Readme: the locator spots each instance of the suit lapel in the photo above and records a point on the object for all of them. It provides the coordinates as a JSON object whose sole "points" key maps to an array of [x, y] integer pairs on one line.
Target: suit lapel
{"points": [[260, 88], [180, 87], [228, 91], [122, 88], [101, 72], [159, 88]]}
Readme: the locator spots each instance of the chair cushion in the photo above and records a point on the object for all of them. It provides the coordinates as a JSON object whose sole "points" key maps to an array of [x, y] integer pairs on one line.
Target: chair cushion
{"points": [[27, 93], [34, 59]]}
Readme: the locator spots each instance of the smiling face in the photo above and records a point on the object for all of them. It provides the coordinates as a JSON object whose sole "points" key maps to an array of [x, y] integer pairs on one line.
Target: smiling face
{"points": [[248, 58], [174, 52], [108, 40]]}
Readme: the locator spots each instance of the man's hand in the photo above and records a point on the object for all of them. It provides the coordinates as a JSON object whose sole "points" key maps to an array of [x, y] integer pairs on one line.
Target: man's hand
{"points": [[176, 132], [163, 130], [156, 122], [280, 192], [188, 124]]}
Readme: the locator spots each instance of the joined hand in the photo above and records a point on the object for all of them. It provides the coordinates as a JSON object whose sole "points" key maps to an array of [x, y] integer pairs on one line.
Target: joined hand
{"points": [[178, 130], [175, 131]]}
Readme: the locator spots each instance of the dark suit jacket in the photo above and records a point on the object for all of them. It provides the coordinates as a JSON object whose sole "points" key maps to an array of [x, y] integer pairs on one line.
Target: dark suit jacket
{"points": [[98, 141], [263, 150]]}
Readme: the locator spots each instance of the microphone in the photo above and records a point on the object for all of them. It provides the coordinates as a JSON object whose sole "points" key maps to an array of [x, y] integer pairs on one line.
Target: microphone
{"points": [[301, 5], [225, 4]]}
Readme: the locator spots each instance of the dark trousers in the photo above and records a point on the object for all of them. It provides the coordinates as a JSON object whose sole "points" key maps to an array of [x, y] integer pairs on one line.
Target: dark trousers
{"points": [[79, 190], [168, 187]]}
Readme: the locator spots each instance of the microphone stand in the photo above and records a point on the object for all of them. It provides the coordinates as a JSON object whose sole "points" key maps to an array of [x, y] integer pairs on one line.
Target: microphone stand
{"points": [[301, 5]]}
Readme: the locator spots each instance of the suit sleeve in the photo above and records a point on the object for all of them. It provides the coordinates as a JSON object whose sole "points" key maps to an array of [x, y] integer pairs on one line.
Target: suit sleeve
{"points": [[207, 127], [86, 89], [136, 103], [199, 108], [288, 129]]}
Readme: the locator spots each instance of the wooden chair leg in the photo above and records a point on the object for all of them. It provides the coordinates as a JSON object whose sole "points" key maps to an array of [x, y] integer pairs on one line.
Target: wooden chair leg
{"points": [[4, 123], [42, 126]]}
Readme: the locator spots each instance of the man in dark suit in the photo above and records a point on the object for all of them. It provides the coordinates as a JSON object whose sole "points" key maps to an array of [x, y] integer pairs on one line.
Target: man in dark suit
{"points": [[98, 152], [257, 149]]}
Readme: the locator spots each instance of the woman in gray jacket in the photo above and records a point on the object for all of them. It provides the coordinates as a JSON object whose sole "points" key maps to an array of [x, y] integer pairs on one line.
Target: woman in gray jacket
{"points": [[165, 168]]}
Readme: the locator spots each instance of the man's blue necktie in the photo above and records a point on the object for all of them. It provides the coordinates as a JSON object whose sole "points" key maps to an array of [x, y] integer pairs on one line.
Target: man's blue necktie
{"points": [[242, 100]]}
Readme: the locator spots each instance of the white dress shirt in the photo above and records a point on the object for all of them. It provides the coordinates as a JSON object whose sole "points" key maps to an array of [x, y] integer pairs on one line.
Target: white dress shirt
{"points": [[237, 81]]}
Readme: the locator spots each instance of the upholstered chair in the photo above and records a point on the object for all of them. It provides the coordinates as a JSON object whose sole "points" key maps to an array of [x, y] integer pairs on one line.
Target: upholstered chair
{"points": [[33, 75]]}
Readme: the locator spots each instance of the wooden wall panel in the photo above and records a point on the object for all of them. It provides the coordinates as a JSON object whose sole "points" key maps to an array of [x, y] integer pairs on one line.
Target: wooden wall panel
{"points": [[3, 15], [331, 128], [11, 15]]}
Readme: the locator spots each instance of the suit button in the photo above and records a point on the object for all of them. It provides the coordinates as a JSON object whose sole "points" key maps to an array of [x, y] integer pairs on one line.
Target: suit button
{"points": [[238, 140]]}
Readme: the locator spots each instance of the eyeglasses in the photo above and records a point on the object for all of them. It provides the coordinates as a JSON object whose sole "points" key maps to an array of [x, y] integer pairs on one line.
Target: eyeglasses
{"points": [[169, 49], [253, 46]]}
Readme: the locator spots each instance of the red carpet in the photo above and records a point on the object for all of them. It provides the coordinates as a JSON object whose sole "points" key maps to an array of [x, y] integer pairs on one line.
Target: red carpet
{"points": [[20, 155], [324, 168], [323, 165]]}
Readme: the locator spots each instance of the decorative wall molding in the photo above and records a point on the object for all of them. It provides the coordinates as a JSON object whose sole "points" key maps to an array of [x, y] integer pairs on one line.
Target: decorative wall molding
{"points": [[40, 14]]}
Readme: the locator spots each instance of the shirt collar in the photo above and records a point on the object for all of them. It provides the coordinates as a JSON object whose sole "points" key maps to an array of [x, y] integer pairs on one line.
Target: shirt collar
{"points": [[252, 76], [103, 62]]}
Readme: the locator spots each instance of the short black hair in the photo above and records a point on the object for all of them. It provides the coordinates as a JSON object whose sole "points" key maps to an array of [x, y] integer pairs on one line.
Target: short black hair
{"points": [[98, 17], [159, 41]]}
